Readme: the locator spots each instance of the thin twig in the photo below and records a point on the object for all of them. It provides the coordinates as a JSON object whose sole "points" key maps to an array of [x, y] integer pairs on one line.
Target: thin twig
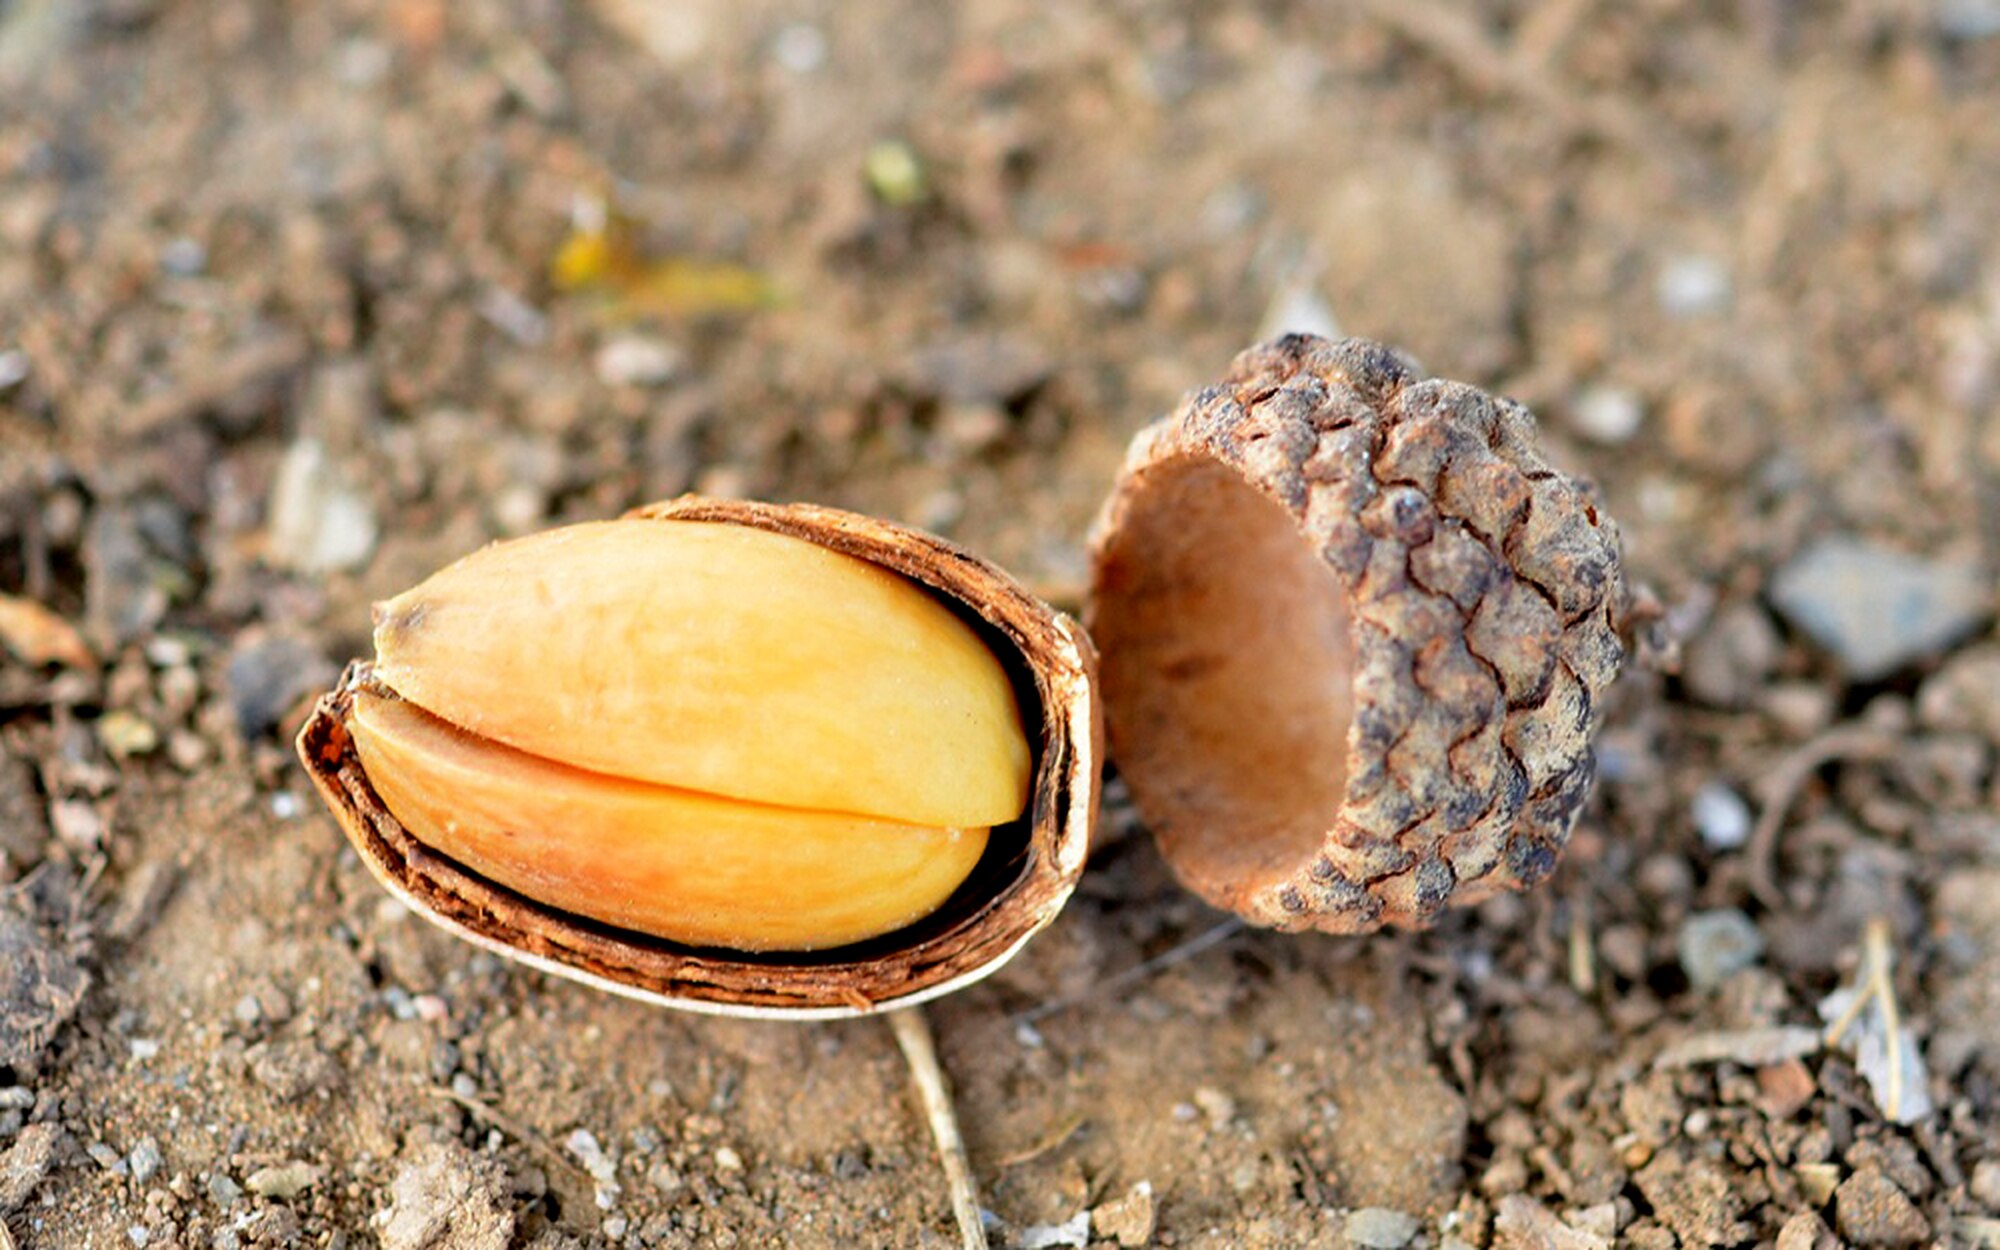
{"points": [[913, 1034], [1875, 940], [1138, 972], [1874, 983], [1782, 785], [496, 1118], [6, 1236]]}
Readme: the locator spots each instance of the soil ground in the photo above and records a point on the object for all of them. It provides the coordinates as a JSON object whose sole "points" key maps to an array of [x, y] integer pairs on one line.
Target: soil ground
{"points": [[279, 335]]}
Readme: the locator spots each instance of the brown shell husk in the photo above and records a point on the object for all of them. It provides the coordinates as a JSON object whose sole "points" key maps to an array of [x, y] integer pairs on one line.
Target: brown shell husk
{"points": [[1469, 595], [1030, 869]]}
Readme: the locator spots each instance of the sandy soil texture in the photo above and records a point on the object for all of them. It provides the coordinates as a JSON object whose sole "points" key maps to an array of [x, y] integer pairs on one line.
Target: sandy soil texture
{"points": [[297, 303]]}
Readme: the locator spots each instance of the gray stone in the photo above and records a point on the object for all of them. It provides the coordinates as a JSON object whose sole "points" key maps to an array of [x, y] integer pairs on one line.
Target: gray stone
{"points": [[268, 675], [1716, 945], [1380, 1228], [1877, 609]]}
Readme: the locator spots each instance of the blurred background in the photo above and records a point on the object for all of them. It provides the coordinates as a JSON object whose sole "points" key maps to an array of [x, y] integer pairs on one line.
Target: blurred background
{"points": [[300, 301]]}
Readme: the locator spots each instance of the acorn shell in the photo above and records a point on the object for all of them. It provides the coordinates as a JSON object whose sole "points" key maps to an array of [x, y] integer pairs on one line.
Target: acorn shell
{"points": [[1356, 632], [1027, 874]]}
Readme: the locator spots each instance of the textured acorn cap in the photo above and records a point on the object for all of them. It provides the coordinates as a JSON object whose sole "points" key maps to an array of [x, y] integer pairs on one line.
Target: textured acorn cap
{"points": [[1355, 633], [1027, 873]]}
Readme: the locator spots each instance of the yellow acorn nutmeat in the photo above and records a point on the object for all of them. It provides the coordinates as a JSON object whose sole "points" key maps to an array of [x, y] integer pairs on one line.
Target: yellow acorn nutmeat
{"points": [[739, 757], [718, 658], [676, 863]]}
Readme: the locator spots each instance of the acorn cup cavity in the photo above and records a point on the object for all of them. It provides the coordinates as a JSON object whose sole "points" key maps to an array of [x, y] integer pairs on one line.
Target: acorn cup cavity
{"points": [[1356, 632], [741, 758]]}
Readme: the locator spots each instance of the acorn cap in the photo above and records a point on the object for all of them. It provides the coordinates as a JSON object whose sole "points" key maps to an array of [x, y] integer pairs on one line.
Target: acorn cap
{"points": [[1355, 632], [1029, 868]]}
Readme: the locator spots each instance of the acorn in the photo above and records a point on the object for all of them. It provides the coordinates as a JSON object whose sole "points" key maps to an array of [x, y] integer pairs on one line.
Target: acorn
{"points": [[1357, 633], [734, 757]]}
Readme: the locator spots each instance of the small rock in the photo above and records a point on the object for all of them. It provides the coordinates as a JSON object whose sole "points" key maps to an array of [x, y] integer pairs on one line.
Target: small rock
{"points": [[1986, 1183], [447, 1198], [1380, 1228], [1127, 1220], [284, 1181], [637, 360], [26, 1162], [1878, 609], [1524, 1224], [896, 174], [145, 1161], [1721, 817], [1871, 1211], [77, 823], [1692, 286], [1730, 661], [1716, 945], [320, 522], [1607, 415], [223, 1190], [799, 47], [974, 369], [124, 734], [41, 986], [1806, 1231], [122, 596], [268, 675], [23, 823], [1219, 1107], [1963, 696], [293, 1068], [1074, 1231]]}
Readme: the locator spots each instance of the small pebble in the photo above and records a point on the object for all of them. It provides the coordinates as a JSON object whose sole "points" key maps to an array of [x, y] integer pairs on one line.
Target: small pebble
{"points": [[1692, 286], [284, 1181], [1877, 609], [320, 523], [139, 1235], [1721, 817], [1380, 1228], [637, 360], [223, 1191], [248, 1010], [145, 1160], [799, 47], [124, 734], [184, 257], [14, 369], [1716, 945], [1607, 415], [1872, 1211], [727, 1160], [1219, 1107]]}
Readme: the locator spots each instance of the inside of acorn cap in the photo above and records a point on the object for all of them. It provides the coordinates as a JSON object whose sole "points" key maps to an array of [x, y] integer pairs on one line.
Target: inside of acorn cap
{"points": [[1227, 675]]}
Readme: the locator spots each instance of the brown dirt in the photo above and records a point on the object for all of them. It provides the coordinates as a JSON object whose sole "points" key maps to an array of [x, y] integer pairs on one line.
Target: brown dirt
{"points": [[278, 337]]}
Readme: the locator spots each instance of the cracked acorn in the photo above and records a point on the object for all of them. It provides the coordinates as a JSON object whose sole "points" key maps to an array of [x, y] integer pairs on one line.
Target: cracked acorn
{"points": [[738, 757]]}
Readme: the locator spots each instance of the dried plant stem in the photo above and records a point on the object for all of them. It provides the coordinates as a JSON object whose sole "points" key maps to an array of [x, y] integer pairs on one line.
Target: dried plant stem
{"points": [[913, 1034], [1875, 984], [6, 1235], [1783, 783]]}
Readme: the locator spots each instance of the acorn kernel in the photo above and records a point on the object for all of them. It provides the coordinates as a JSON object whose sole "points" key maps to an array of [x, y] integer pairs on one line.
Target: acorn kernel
{"points": [[713, 734]]}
